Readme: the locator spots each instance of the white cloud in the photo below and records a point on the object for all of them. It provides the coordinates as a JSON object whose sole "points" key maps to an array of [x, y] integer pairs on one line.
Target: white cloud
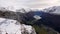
{"points": [[29, 3]]}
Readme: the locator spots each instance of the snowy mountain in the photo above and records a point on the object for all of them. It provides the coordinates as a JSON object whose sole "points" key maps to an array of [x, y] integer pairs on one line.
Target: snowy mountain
{"points": [[9, 26], [47, 17], [53, 10], [10, 22], [11, 8]]}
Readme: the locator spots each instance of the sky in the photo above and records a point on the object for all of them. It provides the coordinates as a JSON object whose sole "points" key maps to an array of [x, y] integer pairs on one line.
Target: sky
{"points": [[35, 4]]}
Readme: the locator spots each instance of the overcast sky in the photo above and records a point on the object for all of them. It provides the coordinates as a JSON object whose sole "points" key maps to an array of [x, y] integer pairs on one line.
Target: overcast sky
{"points": [[29, 3]]}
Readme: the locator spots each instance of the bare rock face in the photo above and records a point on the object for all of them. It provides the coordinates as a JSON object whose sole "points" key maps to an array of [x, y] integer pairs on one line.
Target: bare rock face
{"points": [[9, 26]]}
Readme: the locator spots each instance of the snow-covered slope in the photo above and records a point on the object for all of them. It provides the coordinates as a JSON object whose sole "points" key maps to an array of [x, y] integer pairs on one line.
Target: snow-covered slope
{"points": [[22, 10], [53, 10], [9, 26]]}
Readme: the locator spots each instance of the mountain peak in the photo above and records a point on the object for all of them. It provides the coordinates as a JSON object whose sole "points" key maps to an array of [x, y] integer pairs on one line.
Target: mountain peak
{"points": [[53, 10]]}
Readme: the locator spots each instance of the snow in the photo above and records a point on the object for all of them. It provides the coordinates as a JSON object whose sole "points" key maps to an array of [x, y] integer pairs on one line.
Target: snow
{"points": [[9, 26], [53, 10], [37, 17]]}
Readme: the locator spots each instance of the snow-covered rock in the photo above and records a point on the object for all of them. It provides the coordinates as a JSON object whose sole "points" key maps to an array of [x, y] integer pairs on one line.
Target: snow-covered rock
{"points": [[53, 10], [9, 26]]}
